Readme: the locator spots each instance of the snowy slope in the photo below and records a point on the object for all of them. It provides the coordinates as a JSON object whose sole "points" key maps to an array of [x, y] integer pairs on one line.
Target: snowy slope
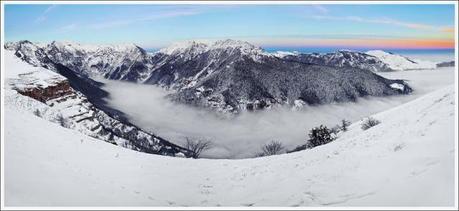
{"points": [[408, 159], [398, 62], [51, 97]]}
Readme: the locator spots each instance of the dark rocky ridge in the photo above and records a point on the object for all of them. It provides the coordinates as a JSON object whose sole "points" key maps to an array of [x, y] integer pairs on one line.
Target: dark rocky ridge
{"points": [[250, 85]]}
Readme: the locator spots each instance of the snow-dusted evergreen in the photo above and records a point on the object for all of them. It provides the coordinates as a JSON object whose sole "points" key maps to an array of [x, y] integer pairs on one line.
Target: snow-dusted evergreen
{"points": [[225, 75]]}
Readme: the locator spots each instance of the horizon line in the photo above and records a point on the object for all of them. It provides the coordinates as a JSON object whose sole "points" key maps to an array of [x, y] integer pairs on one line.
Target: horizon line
{"points": [[290, 45]]}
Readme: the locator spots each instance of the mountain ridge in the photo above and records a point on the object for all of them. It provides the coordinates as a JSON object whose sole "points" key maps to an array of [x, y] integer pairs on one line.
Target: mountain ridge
{"points": [[225, 75]]}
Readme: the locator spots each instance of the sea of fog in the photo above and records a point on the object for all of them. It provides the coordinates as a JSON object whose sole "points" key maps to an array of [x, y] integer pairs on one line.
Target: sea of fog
{"points": [[243, 135]]}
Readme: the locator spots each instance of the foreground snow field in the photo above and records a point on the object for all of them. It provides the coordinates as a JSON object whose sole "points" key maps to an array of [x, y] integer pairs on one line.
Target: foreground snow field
{"points": [[407, 160]]}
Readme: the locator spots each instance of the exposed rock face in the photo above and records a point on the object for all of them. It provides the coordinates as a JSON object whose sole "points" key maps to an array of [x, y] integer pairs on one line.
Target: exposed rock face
{"points": [[48, 93], [227, 75]]}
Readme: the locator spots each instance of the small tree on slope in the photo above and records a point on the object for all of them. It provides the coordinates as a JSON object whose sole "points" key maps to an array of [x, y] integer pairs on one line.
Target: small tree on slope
{"points": [[197, 146], [272, 148], [319, 136], [369, 122], [344, 125]]}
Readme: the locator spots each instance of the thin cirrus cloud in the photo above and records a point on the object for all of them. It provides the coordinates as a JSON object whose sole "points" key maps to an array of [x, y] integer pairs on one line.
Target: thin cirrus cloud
{"points": [[162, 15], [321, 9], [68, 28], [387, 21], [43, 16]]}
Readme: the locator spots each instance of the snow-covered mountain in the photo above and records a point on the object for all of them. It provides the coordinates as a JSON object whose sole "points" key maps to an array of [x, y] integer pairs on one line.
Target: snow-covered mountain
{"points": [[51, 97], [233, 75], [248, 84], [225, 75], [342, 58], [406, 160], [55, 118], [120, 62], [398, 62]]}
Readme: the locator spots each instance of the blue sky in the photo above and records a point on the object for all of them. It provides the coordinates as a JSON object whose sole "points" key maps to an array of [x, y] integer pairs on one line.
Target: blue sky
{"points": [[154, 26]]}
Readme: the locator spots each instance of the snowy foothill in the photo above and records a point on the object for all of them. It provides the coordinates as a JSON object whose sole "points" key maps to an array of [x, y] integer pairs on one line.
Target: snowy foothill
{"points": [[408, 159]]}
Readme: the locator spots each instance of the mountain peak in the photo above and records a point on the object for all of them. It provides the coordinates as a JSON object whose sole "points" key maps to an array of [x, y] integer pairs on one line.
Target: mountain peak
{"points": [[199, 46], [233, 43], [94, 47], [181, 46]]}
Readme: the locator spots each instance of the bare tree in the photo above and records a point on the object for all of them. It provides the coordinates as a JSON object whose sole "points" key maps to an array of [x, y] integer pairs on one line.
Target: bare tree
{"points": [[272, 148], [197, 146], [369, 122]]}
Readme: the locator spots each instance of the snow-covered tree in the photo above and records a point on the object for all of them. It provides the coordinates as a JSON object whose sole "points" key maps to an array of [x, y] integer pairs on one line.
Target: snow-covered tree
{"points": [[319, 136]]}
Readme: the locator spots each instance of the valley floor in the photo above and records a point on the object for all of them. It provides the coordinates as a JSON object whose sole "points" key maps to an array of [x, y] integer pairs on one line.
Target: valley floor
{"points": [[407, 160]]}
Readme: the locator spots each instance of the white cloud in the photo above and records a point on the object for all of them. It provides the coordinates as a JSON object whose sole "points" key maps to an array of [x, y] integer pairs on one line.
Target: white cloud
{"points": [[387, 21], [157, 16], [320, 8], [67, 28], [44, 15], [237, 137]]}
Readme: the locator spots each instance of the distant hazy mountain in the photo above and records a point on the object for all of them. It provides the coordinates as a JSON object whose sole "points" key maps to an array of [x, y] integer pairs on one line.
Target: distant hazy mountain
{"points": [[343, 58], [446, 64], [398, 62]]}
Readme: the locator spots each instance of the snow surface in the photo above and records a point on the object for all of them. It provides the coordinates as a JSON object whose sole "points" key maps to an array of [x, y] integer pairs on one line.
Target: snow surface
{"points": [[406, 160], [398, 62], [29, 76], [397, 86]]}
